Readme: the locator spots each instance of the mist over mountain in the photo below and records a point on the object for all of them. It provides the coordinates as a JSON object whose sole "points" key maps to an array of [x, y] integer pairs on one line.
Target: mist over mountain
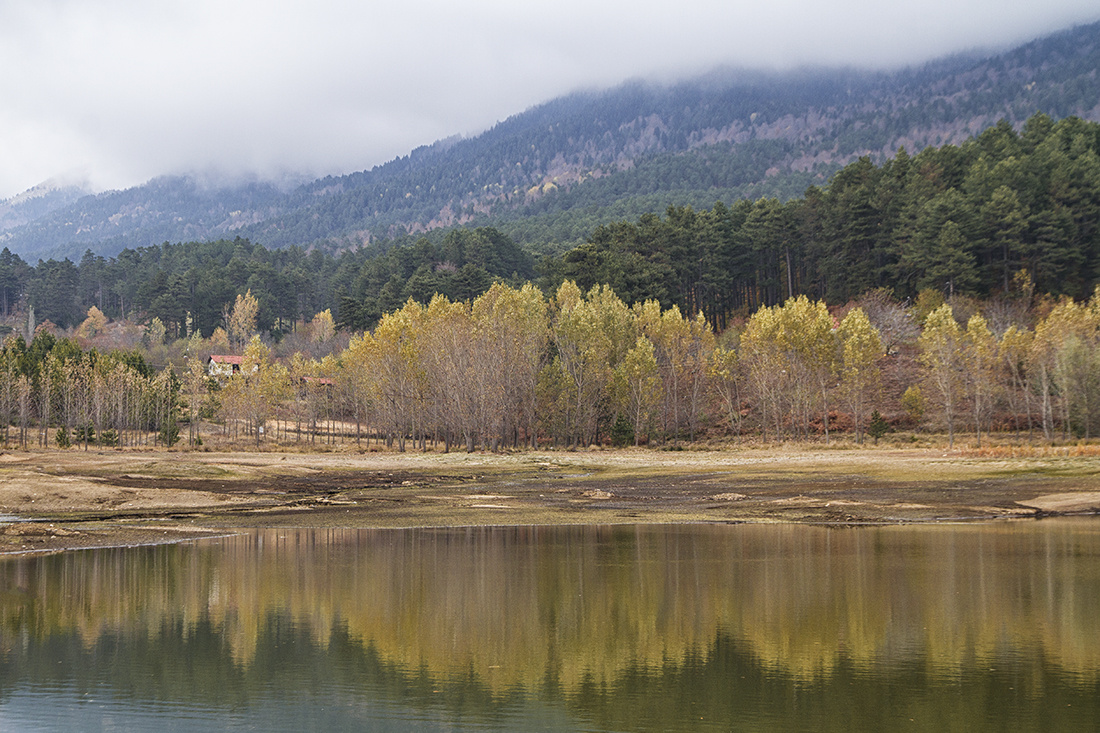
{"points": [[549, 175], [43, 199]]}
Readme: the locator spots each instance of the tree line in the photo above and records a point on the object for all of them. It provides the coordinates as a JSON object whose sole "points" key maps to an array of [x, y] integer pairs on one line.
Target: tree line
{"points": [[53, 392], [514, 368], [188, 287]]}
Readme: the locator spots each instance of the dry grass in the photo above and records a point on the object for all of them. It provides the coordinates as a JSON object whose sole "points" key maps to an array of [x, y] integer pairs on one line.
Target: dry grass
{"points": [[100, 492]]}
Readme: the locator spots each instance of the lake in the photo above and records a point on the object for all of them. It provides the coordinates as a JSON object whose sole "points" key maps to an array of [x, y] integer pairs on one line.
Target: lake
{"points": [[990, 626]]}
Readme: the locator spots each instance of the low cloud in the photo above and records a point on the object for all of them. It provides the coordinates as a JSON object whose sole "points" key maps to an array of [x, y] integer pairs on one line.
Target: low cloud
{"points": [[128, 90]]}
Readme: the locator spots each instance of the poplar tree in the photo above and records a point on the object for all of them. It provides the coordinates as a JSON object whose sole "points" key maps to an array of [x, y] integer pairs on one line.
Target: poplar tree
{"points": [[638, 386], [942, 361], [980, 354], [861, 351], [241, 320], [727, 381]]}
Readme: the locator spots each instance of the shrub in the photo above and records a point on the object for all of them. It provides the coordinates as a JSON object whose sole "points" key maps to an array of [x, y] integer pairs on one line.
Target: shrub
{"points": [[622, 432], [877, 427]]}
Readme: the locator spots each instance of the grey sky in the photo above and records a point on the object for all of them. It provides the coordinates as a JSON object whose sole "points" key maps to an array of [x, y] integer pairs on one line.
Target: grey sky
{"points": [[124, 90]]}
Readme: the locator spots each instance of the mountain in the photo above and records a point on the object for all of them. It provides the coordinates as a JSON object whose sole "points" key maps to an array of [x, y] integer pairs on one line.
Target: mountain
{"points": [[43, 199], [549, 175]]}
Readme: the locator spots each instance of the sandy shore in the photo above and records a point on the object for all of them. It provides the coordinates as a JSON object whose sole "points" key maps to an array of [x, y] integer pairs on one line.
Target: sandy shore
{"points": [[77, 499]]}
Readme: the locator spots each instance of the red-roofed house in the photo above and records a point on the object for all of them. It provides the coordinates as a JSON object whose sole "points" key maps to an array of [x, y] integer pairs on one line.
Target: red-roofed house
{"points": [[223, 365]]}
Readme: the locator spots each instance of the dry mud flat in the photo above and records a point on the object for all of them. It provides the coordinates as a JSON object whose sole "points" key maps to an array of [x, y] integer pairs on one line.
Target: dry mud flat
{"points": [[77, 499]]}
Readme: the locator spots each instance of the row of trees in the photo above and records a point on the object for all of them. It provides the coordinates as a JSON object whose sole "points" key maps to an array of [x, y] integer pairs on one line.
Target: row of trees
{"points": [[111, 399], [188, 286], [516, 368]]}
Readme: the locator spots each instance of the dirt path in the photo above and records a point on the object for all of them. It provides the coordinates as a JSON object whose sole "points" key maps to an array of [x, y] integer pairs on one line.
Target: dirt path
{"points": [[78, 499]]}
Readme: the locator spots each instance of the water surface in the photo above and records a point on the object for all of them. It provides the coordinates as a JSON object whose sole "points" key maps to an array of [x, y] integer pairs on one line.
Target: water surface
{"points": [[752, 627]]}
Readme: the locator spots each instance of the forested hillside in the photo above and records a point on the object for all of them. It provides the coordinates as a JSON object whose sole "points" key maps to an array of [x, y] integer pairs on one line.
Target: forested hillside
{"points": [[955, 219], [40, 201], [965, 219], [188, 287], [549, 176]]}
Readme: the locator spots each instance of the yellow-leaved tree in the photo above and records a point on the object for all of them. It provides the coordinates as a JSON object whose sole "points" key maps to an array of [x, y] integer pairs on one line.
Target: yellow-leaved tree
{"points": [[727, 379], [93, 325], [512, 330], [637, 386], [240, 322], [255, 392], [1013, 352], [766, 368], [592, 335], [807, 334], [322, 328], [402, 381], [1059, 358], [942, 363], [861, 350], [980, 361]]}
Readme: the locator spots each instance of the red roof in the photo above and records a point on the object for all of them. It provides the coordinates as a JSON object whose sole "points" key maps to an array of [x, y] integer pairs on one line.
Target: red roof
{"points": [[226, 359]]}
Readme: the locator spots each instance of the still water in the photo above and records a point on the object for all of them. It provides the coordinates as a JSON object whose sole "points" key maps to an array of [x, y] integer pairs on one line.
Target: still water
{"points": [[708, 628]]}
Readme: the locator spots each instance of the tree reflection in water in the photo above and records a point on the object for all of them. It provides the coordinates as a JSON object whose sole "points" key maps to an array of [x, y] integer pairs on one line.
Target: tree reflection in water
{"points": [[624, 628]]}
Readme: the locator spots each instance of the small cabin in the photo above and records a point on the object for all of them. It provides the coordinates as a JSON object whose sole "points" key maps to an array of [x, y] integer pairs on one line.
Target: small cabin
{"points": [[223, 365]]}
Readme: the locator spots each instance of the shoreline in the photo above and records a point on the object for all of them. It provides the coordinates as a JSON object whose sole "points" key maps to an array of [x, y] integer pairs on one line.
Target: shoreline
{"points": [[76, 500]]}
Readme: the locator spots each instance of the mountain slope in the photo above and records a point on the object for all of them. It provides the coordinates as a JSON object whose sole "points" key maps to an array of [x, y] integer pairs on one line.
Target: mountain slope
{"points": [[39, 201], [549, 175]]}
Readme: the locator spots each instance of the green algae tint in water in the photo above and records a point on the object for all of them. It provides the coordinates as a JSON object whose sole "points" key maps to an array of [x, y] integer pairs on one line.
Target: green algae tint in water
{"points": [[778, 627]]}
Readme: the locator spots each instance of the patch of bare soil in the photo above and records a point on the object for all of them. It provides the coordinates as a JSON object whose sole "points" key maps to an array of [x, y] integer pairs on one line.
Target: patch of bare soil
{"points": [[1073, 502], [130, 496]]}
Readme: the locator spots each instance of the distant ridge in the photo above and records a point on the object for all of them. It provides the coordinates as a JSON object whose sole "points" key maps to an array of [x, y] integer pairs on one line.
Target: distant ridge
{"points": [[38, 201], [549, 175]]}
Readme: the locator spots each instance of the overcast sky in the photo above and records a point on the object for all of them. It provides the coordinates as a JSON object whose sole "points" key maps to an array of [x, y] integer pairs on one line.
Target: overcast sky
{"points": [[124, 90]]}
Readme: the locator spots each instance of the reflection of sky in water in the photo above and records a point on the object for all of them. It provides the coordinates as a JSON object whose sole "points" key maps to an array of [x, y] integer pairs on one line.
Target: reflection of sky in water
{"points": [[56, 710], [594, 628]]}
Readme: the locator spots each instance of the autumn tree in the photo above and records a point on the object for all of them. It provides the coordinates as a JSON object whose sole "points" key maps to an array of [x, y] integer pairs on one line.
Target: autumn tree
{"points": [[591, 335], [1053, 360], [682, 349], [451, 360], [790, 353], [358, 379], [514, 326], [241, 320], [765, 365], [807, 334], [93, 325], [980, 360], [254, 393], [942, 361], [861, 351], [402, 384], [196, 388], [322, 327], [1013, 351], [727, 381], [637, 386]]}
